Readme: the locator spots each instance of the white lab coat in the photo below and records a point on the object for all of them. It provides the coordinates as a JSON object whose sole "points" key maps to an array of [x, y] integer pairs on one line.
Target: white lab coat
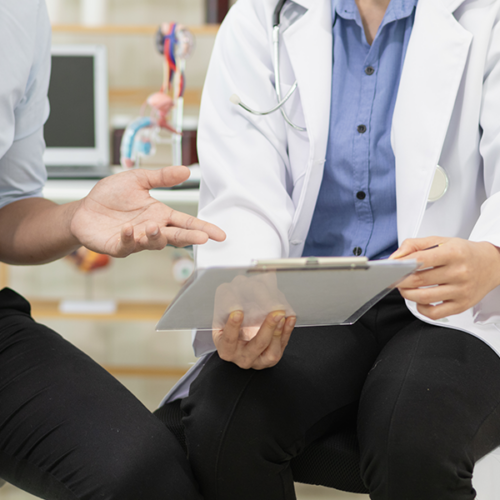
{"points": [[261, 177]]}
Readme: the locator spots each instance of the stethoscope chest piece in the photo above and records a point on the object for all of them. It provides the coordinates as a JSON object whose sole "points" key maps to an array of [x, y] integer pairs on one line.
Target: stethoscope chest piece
{"points": [[440, 185]]}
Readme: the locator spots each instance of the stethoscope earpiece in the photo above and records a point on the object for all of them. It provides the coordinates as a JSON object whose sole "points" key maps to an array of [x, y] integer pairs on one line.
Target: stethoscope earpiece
{"points": [[235, 99]]}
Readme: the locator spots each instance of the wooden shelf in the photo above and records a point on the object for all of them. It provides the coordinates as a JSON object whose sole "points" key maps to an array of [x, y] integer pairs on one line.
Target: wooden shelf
{"points": [[4, 275], [137, 95], [125, 29], [126, 311], [146, 371]]}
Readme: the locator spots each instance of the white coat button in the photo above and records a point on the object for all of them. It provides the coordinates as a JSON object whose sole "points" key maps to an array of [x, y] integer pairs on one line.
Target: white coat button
{"points": [[440, 184]]}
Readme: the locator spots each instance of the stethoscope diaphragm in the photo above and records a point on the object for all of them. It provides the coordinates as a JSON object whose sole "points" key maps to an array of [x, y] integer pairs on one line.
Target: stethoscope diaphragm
{"points": [[440, 185]]}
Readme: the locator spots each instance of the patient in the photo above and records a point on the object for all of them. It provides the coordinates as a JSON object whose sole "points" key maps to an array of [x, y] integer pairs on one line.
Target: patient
{"points": [[386, 91], [68, 429]]}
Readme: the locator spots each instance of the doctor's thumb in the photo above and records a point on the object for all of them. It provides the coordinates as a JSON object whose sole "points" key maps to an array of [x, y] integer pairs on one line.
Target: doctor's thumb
{"points": [[412, 245]]}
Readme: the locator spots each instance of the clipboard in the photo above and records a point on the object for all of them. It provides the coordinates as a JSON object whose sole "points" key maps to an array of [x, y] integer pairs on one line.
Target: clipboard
{"points": [[318, 291]]}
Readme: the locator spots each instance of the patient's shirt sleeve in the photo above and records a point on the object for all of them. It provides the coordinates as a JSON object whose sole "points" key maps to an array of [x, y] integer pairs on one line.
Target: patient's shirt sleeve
{"points": [[25, 41], [22, 172]]}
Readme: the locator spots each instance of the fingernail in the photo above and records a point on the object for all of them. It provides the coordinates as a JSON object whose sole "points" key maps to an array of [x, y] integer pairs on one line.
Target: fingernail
{"points": [[291, 322], [278, 317], [279, 329], [236, 316], [155, 232]]}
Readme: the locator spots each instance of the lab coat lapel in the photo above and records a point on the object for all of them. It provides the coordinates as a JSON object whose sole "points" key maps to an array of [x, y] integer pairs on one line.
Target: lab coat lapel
{"points": [[309, 45], [433, 69]]}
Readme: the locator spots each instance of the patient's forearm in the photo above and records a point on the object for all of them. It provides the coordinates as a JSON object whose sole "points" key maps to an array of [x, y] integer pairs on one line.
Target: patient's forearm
{"points": [[36, 231]]}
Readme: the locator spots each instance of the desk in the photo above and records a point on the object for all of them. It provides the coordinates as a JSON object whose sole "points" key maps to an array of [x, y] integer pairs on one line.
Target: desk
{"points": [[64, 191]]}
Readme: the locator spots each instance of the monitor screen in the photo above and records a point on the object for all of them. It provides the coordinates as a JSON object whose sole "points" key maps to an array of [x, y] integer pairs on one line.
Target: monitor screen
{"points": [[71, 123]]}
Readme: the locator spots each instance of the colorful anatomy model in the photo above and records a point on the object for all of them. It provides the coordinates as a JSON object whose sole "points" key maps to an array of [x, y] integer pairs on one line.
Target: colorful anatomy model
{"points": [[87, 261], [175, 43]]}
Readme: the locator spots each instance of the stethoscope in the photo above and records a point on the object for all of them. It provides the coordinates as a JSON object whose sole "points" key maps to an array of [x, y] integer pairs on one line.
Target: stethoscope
{"points": [[440, 182], [235, 99]]}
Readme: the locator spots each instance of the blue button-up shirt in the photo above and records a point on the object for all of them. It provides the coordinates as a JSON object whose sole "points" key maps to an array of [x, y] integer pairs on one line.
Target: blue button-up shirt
{"points": [[356, 207]]}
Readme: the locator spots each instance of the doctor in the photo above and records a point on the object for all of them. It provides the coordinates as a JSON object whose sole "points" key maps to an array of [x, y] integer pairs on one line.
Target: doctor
{"points": [[387, 91]]}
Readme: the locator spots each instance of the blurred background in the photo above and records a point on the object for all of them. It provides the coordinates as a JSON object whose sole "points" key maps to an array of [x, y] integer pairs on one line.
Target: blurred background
{"points": [[133, 292]]}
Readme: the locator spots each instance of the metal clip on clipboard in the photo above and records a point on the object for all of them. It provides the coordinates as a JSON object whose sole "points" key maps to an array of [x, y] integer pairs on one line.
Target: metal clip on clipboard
{"points": [[311, 263], [317, 291]]}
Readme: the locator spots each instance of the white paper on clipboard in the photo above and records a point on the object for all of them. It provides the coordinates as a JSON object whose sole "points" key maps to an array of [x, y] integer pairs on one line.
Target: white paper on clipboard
{"points": [[318, 291]]}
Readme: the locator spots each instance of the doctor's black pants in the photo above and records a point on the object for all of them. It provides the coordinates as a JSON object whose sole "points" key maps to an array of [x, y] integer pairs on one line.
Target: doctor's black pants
{"points": [[69, 430], [426, 400]]}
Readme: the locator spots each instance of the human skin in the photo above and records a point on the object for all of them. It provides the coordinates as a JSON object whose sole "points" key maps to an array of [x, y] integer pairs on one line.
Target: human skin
{"points": [[118, 217]]}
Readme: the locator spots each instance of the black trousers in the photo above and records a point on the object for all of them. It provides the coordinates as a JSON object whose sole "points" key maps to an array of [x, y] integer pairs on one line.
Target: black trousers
{"points": [[69, 430], [426, 401]]}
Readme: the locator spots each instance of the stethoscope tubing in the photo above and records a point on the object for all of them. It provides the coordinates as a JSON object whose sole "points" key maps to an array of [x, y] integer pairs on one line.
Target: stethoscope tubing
{"points": [[277, 77], [235, 99]]}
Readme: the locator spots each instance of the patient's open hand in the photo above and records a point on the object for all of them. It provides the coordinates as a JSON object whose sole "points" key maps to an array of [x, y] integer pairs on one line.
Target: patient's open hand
{"points": [[119, 217]]}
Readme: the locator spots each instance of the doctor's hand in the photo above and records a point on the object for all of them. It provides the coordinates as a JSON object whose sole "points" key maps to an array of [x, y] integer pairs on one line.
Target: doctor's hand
{"points": [[264, 350], [119, 217], [454, 276]]}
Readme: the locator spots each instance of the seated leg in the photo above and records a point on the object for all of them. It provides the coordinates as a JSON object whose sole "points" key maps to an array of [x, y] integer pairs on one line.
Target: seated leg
{"points": [[244, 426], [69, 430], [429, 410]]}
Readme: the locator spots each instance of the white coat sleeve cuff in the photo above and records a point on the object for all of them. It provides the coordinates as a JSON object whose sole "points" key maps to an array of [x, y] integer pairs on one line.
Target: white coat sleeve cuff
{"points": [[487, 228]]}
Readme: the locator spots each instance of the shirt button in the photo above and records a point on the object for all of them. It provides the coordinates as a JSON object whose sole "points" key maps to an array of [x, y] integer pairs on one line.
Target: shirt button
{"points": [[361, 129], [369, 70], [357, 251], [360, 195]]}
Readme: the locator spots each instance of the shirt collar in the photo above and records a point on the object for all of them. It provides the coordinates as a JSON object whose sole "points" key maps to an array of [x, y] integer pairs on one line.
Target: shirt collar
{"points": [[397, 9]]}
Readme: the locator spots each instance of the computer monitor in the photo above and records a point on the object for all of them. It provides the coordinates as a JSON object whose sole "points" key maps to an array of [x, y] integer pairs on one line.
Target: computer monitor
{"points": [[76, 133]]}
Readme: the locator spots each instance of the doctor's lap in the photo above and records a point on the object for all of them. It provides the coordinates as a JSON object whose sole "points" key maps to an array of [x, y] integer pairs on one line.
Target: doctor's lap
{"points": [[424, 412]]}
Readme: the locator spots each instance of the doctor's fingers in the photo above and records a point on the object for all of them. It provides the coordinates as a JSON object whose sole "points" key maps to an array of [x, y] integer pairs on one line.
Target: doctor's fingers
{"points": [[432, 294], [411, 246], [454, 298], [440, 311], [227, 339], [429, 277], [226, 301], [185, 221], [270, 345], [451, 264], [247, 354], [254, 291], [286, 332]]}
